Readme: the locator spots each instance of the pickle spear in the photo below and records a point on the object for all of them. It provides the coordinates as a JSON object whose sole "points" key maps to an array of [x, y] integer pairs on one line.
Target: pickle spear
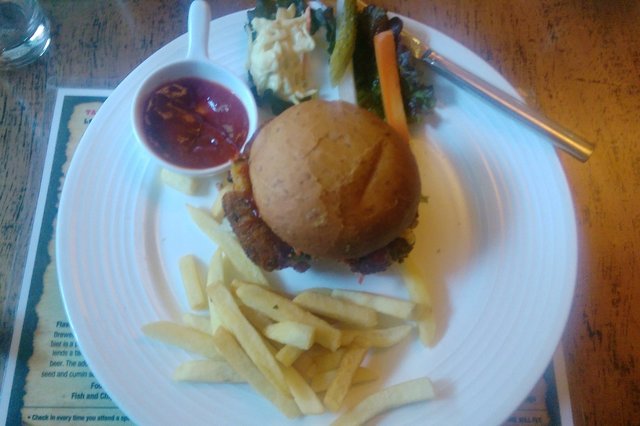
{"points": [[345, 42]]}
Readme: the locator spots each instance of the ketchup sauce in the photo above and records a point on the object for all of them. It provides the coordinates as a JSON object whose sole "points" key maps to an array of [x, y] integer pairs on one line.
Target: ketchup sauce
{"points": [[195, 123]]}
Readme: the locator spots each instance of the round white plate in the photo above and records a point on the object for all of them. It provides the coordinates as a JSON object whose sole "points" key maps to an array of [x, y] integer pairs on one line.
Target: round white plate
{"points": [[497, 239]]}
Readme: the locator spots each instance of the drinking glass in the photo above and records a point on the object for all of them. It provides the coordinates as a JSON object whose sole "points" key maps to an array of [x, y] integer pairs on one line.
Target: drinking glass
{"points": [[24, 33]]}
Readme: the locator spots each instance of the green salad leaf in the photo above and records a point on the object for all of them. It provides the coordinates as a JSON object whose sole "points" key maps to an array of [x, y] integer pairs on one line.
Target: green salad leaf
{"points": [[417, 91], [268, 8], [325, 18]]}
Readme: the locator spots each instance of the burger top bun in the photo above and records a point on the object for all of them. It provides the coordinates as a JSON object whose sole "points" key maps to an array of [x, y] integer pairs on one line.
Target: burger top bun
{"points": [[333, 180]]}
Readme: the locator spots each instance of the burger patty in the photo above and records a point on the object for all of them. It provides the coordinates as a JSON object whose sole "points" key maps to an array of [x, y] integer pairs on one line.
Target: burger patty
{"points": [[270, 252], [379, 260], [259, 242]]}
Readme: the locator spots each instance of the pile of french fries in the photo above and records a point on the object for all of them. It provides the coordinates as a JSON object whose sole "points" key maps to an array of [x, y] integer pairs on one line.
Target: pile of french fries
{"points": [[302, 352]]}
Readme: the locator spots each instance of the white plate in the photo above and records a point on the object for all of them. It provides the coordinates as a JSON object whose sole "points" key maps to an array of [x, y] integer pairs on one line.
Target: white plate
{"points": [[497, 239]]}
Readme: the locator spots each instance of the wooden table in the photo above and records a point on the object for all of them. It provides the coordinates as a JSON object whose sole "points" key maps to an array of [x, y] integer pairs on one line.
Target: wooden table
{"points": [[578, 61]]}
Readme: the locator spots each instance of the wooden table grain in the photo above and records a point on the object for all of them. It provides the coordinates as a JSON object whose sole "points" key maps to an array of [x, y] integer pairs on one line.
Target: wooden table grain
{"points": [[578, 61]]}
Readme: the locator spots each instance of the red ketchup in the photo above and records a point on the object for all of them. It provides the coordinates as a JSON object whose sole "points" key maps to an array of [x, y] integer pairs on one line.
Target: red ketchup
{"points": [[195, 123]]}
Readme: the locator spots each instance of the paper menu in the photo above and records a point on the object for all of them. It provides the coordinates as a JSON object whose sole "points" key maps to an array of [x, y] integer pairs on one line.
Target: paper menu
{"points": [[47, 381]]}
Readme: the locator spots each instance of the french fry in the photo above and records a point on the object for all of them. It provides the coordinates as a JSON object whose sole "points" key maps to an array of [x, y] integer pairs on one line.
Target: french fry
{"points": [[376, 338], [214, 319], [182, 183], [257, 319], [199, 322], [280, 308], [398, 308], [321, 381], [250, 340], [215, 275], [386, 399], [288, 354], [347, 336], [339, 309], [187, 338], [344, 375], [303, 395], [426, 322], [235, 284], [305, 364], [306, 399], [418, 291], [206, 370], [416, 283], [192, 282], [216, 270], [328, 361], [217, 211], [229, 244], [242, 364], [291, 333]]}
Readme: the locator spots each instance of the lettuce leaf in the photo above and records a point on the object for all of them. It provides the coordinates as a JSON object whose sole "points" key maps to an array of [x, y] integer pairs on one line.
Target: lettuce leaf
{"points": [[417, 91]]}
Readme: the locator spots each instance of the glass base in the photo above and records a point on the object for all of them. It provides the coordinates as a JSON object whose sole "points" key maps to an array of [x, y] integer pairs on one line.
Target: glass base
{"points": [[29, 50]]}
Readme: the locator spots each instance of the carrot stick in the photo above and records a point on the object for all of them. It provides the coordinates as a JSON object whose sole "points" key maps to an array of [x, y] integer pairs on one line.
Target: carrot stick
{"points": [[385, 50]]}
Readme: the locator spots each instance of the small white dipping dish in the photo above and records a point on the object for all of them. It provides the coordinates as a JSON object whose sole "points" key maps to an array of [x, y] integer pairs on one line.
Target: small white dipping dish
{"points": [[196, 65]]}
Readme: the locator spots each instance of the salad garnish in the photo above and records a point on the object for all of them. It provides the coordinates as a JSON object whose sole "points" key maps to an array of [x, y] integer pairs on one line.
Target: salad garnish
{"points": [[417, 91], [281, 32], [416, 88]]}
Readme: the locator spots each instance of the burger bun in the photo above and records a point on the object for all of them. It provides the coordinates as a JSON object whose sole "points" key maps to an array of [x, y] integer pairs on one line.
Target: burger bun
{"points": [[333, 180]]}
